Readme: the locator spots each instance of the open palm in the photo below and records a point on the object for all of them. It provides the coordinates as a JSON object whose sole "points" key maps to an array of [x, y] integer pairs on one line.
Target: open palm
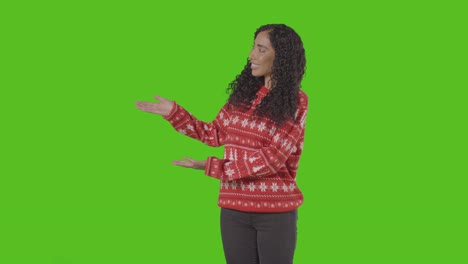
{"points": [[190, 163], [163, 107]]}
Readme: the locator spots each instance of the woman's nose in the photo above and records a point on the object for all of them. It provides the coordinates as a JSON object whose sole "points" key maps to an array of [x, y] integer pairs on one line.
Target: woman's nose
{"points": [[251, 55]]}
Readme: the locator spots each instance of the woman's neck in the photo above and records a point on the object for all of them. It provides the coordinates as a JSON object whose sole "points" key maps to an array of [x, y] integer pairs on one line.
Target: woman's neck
{"points": [[267, 82]]}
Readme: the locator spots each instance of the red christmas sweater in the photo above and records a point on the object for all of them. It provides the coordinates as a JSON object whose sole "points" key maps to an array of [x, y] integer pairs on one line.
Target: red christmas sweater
{"points": [[258, 171]]}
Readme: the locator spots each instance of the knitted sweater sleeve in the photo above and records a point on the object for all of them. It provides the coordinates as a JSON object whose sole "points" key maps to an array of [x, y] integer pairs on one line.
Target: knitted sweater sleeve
{"points": [[211, 133], [264, 161]]}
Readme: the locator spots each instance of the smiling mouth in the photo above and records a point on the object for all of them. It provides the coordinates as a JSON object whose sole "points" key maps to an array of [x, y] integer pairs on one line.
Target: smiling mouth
{"points": [[254, 66]]}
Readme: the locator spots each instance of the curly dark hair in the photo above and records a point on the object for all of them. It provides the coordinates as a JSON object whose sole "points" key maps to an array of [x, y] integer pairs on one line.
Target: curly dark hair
{"points": [[287, 71]]}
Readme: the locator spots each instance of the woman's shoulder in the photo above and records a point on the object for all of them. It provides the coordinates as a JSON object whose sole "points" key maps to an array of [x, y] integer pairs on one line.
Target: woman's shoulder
{"points": [[303, 99]]}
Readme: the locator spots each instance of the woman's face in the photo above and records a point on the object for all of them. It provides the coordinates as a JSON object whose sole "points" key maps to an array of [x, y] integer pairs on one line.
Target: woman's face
{"points": [[262, 56]]}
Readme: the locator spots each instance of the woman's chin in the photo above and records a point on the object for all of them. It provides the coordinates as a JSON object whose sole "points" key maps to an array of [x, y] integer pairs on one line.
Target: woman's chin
{"points": [[256, 73]]}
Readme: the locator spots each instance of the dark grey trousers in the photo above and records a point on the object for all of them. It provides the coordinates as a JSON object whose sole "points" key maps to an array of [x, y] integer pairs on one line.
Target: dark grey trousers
{"points": [[258, 238]]}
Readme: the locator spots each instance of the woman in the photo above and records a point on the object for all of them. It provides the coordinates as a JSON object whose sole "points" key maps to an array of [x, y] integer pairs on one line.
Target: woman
{"points": [[262, 129]]}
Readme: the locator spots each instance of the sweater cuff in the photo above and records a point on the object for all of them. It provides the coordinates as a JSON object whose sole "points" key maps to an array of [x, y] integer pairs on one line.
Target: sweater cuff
{"points": [[169, 116], [214, 167]]}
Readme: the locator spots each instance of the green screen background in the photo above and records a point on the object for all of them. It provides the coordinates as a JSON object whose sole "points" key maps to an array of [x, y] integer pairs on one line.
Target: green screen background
{"points": [[86, 177]]}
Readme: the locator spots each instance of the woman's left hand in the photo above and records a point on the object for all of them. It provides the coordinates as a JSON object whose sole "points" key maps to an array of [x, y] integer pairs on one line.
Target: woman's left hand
{"points": [[190, 163]]}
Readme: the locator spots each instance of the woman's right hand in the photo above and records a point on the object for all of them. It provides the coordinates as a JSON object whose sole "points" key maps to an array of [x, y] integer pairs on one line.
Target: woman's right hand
{"points": [[163, 108]]}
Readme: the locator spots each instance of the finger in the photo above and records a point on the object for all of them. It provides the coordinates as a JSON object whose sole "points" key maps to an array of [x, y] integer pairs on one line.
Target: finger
{"points": [[139, 104], [160, 98], [143, 104], [149, 107], [182, 164], [145, 107]]}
